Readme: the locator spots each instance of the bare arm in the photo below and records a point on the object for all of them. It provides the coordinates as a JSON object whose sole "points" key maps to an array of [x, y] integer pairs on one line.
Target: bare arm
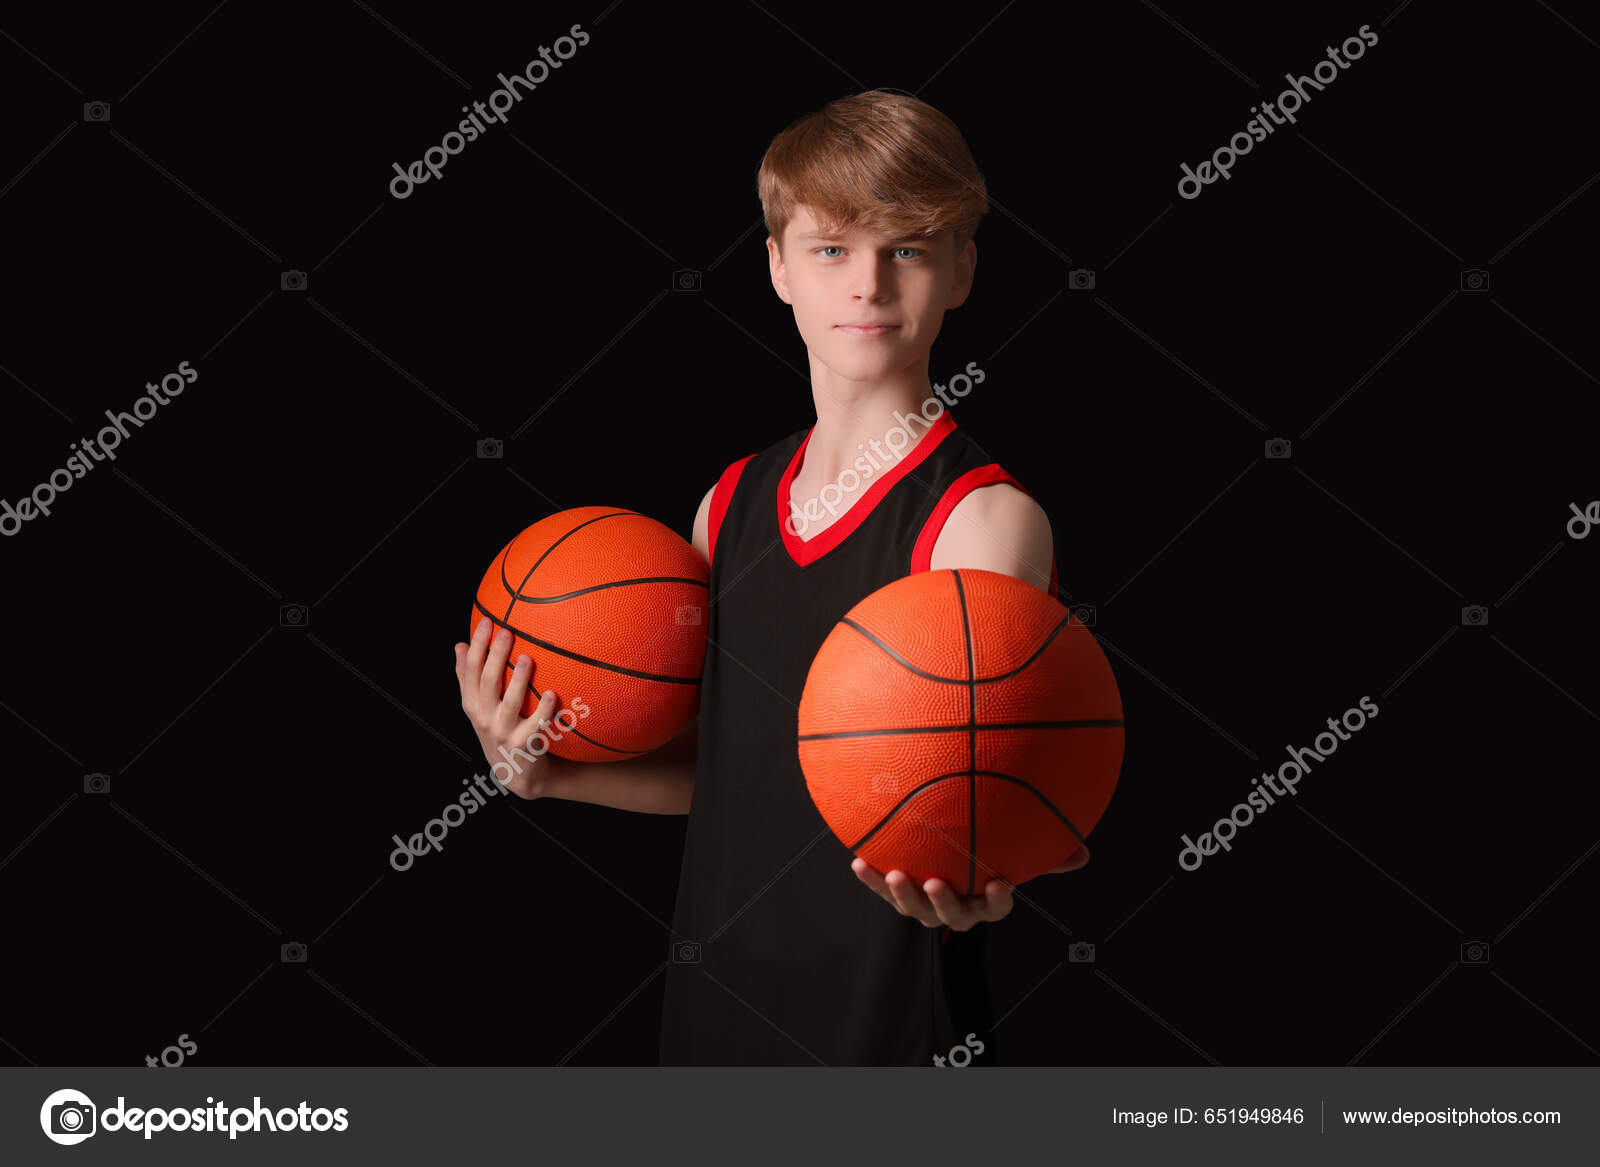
{"points": [[997, 528], [660, 782]]}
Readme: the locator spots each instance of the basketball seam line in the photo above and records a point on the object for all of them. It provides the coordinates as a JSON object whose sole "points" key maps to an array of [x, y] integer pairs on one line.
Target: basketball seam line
{"points": [[614, 584], [514, 591], [900, 660], [1090, 723], [603, 746], [1053, 809], [972, 737], [588, 660]]}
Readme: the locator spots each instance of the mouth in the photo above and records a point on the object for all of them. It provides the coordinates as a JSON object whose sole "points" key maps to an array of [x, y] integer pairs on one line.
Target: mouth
{"points": [[867, 330]]}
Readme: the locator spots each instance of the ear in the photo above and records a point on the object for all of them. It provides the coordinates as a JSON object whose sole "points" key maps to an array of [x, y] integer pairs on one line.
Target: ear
{"points": [[780, 276], [961, 280]]}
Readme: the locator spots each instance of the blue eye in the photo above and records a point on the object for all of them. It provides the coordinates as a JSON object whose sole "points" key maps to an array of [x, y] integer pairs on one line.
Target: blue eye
{"points": [[916, 252]]}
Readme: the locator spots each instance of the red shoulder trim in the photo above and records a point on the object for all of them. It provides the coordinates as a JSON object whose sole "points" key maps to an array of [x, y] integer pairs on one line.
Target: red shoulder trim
{"points": [[922, 553], [721, 496]]}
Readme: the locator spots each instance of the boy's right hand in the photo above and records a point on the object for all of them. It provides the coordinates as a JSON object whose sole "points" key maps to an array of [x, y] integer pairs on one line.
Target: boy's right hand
{"points": [[498, 720]]}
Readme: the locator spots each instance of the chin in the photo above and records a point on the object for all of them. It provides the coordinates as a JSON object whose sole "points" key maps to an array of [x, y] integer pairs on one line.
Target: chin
{"points": [[864, 370]]}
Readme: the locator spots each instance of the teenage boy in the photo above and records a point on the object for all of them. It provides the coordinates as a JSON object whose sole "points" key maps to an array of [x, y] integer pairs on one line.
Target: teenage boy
{"points": [[781, 951]]}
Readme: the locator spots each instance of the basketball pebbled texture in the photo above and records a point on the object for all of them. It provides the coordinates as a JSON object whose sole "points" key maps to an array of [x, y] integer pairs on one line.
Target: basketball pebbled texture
{"points": [[611, 606], [961, 724]]}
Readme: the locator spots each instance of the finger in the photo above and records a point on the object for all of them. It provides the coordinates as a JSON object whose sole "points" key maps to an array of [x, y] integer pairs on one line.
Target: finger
{"points": [[956, 911], [910, 898], [466, 671], [1000, 900], [494, 667], [476, 650], [517, 687], [537, 720], [1074, 861], [873, 878]]}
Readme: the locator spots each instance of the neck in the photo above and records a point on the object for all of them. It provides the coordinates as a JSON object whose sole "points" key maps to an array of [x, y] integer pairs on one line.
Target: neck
{"points": [[879, 420]]}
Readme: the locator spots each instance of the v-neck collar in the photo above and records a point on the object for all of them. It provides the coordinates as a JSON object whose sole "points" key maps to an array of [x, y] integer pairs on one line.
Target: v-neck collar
{"points": [[805, 552]]}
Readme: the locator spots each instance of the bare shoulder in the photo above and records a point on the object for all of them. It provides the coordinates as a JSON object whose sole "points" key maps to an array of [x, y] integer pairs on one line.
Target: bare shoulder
{"points": [[701, 537], [997, 528]]}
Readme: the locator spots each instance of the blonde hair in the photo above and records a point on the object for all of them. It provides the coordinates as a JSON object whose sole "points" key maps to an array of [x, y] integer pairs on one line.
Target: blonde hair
{"points": [[878, 161]]}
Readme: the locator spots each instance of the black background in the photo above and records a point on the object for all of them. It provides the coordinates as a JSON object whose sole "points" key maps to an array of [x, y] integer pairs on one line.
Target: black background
{"points": [[327, 457]]}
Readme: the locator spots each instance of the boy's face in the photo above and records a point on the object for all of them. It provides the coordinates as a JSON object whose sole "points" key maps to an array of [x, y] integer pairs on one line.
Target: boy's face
{"points": [[835, 283]]}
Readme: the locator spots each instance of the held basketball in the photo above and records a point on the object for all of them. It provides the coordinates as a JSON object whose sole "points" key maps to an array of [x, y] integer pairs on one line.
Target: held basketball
{"points": [[611, 606], [961, 725]]}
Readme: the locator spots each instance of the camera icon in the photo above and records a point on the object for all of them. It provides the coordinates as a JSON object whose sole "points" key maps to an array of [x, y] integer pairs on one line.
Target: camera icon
{"points": [[687, 614], [293, 953], [293, 616], [1081, 953], [1084, 614], [491, 448], [1475, 952], [686, 952], [292, 281], [72, 1118], [1278, 447], [1474, 615], [1080, 279], [97, 783], [1474, 279], [97, 111], [686, 279]]}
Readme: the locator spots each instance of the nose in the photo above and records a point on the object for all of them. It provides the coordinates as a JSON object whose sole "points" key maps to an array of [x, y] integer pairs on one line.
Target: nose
{"points": [[866, 281]]}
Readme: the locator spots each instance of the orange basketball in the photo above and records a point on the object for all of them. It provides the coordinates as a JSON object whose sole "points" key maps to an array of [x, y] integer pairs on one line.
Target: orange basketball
{"points": [[611, 607], [961, 725]]}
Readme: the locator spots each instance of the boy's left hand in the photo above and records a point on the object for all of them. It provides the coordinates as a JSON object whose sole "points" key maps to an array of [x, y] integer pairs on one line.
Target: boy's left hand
{"points": [[936, 904]]}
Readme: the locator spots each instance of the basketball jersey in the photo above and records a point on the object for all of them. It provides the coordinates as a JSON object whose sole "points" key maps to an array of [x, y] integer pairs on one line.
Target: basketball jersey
{"points": [[780, 955]]}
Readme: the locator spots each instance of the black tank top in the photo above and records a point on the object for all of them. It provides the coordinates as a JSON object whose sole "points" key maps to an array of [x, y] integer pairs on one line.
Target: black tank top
{"points": [[780, 955]]}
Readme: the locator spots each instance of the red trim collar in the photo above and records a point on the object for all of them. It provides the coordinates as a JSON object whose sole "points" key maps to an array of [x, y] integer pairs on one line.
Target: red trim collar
{"points": [[807, 551]]}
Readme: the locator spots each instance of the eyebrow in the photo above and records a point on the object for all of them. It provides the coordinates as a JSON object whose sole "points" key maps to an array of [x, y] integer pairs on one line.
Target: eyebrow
{"points": [[892, 242]]}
